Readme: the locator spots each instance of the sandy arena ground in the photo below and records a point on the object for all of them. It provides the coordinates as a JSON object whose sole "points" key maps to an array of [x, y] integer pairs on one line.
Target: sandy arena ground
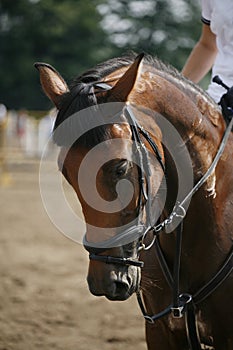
{"points": [[44, 299]]}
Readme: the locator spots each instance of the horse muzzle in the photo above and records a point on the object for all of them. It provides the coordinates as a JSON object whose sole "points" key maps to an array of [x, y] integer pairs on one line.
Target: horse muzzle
{"points": [[113, 282]]}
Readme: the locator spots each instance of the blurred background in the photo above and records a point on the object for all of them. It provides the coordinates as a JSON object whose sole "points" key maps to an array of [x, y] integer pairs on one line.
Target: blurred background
{"points": [[74, 35], [44, 300]]}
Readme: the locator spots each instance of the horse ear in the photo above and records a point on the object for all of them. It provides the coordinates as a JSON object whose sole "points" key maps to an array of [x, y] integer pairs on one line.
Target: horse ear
{"points": [[52, 83], [125, 84]]}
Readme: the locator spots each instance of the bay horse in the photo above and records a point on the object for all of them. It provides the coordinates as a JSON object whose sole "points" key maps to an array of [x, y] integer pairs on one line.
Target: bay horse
{"points": [[171, 277]]}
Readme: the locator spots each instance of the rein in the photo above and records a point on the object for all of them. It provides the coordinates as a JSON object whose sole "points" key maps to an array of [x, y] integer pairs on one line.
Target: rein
{"points": [[183, 303]]}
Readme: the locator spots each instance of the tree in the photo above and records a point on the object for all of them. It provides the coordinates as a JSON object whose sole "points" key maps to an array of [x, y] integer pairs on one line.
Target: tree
{"points": [[74, 35], [165, 28], [64, 33]]}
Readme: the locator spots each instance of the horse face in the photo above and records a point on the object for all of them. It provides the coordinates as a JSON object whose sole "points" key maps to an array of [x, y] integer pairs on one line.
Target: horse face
{"points": [[105, 180], [108, 201]]}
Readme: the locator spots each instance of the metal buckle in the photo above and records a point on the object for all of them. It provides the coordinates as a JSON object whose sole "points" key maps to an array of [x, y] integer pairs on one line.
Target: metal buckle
{"points": [[184, 299], [177, 312]]}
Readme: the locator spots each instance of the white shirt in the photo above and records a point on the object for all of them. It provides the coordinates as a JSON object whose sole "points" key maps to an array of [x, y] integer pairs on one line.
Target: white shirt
{"points": [[219, 15]]}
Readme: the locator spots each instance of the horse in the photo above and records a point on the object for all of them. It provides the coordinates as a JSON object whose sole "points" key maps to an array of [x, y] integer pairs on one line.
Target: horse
{"points": [[177, 258]]}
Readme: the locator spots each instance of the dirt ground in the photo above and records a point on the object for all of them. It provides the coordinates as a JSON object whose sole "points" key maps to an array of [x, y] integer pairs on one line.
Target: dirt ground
{"points": [[44, 299]]}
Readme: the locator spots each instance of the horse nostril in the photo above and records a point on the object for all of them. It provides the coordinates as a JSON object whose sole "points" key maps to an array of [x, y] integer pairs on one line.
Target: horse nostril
{"points": [[121, 287]]}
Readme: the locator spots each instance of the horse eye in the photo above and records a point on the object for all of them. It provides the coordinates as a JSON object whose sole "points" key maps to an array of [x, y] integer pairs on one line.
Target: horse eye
{"points": [[122, 168]]}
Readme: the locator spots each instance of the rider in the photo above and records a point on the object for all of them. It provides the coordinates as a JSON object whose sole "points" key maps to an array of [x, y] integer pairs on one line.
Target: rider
{"points": [[214, 49]]}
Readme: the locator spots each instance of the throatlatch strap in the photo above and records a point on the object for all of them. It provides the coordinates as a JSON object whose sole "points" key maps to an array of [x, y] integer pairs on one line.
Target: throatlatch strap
{"points": [[176, 271], [163, 263]]}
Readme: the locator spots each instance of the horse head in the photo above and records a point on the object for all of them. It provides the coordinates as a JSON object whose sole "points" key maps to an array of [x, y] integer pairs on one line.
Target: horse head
{"points": [[105, 165]]}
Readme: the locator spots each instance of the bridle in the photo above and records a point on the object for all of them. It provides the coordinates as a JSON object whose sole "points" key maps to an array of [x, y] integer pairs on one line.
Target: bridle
{"points": [[139, 229], [182, 303]]}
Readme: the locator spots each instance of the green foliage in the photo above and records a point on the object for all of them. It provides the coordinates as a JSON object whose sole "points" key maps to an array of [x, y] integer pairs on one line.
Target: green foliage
{"points": [[74, 35], [165, 28], [64, 33]]}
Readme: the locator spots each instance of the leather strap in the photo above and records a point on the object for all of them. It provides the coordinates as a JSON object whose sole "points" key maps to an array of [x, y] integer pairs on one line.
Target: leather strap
{"points": [[216, 281], [192, 328], [115, 260]]}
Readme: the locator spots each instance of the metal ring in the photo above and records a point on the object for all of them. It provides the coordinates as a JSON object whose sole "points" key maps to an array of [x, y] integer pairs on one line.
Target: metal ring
{"points": [[183, 211], [150, 245], [143, 246], [149, 319], [159, 227], [187, 298]]}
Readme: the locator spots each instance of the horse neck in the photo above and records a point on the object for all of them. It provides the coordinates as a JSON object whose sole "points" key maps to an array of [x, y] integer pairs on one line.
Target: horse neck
{"points": [[193, 114], [201, 127]]}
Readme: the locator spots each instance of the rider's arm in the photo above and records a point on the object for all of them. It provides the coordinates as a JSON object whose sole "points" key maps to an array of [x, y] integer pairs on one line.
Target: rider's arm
{"points": [[202, 56]]}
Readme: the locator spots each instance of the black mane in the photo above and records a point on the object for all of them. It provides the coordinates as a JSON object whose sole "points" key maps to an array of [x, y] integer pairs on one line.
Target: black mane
{"points": [[83, 87]]}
